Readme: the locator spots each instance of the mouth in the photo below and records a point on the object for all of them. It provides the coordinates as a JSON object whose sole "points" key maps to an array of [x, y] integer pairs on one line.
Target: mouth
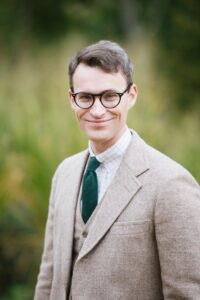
{"points": [[99, 121]]}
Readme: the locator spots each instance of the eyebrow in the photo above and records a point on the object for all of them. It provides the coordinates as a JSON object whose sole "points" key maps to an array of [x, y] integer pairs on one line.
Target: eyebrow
{"points": [[96, 94]]}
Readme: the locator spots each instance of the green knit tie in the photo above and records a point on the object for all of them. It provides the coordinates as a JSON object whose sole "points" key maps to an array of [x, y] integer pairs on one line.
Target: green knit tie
{"points": [[90, 189]]}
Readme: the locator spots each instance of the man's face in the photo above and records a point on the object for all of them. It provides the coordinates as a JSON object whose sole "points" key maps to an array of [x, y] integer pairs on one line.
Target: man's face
{"points": [[102, 126]]}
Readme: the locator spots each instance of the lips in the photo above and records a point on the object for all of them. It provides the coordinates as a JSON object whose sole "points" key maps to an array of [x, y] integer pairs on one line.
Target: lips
{"points": [[99, 121]]}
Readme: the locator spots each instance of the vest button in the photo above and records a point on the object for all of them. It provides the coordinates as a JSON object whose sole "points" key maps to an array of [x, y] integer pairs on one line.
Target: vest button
{"points": [[84, 233]]}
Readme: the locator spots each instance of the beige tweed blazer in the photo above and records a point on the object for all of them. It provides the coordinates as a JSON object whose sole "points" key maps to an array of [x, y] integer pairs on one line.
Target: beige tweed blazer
{"points": [[144, 242]]}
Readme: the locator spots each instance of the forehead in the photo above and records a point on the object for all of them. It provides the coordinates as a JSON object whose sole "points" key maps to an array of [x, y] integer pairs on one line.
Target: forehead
{"points": [[95, 79]]}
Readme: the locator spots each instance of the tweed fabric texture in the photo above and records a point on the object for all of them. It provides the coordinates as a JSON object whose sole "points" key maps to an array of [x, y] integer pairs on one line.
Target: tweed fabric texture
{"points": [[144, 241]]}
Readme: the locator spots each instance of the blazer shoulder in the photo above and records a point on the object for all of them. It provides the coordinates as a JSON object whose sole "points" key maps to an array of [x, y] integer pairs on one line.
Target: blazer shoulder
{"points": [[166, 169], [70, 163], [161, 167]]}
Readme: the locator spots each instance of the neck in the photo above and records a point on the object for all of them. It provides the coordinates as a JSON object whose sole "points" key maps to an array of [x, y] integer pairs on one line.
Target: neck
{"points": [[99, 147]]}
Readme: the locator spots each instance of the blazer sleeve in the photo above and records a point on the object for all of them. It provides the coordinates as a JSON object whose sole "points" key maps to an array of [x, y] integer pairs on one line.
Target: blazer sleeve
{"points": [[177, 227], [44, 281]]}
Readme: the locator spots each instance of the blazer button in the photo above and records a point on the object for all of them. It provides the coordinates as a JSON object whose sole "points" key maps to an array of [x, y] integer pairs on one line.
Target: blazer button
{"points": [[84, 233]]}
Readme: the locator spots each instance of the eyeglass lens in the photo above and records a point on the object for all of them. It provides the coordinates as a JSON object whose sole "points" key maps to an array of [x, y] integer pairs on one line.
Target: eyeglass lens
{"points": [[108, 99]]}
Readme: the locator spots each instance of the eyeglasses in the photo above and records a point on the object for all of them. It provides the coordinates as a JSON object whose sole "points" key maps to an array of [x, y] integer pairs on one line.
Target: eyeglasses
{"points": [[109, 99]]}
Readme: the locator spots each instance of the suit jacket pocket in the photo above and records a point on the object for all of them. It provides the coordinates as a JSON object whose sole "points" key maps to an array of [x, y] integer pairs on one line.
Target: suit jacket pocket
{"points": [[132, 228]]}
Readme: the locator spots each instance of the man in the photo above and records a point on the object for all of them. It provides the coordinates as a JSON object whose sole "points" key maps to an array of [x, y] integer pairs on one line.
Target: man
{"points": [[124, 219]]}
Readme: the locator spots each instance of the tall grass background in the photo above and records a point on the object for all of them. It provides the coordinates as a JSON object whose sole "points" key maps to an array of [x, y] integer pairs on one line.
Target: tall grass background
{"points": [[38, 130]]}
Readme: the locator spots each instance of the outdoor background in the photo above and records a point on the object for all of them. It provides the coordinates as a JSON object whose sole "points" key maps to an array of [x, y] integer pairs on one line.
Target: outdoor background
{"points": [[38, 129]]}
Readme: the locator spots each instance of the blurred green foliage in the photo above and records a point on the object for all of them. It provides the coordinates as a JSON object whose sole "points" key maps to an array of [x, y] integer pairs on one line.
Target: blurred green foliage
{"points": [[174, 24], [37, 126], [38, 130], [19, 292]]}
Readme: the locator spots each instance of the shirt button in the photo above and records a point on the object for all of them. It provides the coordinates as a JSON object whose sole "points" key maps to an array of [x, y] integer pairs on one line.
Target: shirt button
{"points": [[84, 233]]}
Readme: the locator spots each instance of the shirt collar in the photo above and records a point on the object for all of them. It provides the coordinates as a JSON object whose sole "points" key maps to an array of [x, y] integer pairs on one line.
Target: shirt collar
{"points": [[116, 151]]}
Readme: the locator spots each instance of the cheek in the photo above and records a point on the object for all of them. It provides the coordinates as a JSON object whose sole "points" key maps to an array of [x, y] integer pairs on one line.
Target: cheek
{"points": [[79, 113], [120, 112]]}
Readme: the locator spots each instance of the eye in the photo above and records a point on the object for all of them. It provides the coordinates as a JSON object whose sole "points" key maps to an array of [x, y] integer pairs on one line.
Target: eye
{"points": [[84, 97], [110, 96]]}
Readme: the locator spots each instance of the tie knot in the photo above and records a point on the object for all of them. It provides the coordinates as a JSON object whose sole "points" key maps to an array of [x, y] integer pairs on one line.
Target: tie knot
{"points": [[93, 164]]}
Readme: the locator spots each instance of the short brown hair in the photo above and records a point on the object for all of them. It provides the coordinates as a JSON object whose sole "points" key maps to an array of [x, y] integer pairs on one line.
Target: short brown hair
{"points": [[106, 55]]}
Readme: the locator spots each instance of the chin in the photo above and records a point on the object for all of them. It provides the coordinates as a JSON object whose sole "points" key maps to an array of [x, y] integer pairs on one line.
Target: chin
{"points": [[98, 137]]}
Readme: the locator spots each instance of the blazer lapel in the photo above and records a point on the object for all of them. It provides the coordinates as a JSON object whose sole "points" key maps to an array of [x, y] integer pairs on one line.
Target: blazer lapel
{"points": [[121, 191], [68, 190]]}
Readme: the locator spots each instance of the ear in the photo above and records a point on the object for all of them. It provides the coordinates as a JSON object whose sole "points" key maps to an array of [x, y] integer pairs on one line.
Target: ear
{"points": [[71, 99], [133, 92]]}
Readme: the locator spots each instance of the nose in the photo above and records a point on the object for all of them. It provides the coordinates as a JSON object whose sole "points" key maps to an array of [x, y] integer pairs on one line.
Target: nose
{"points": [[97, 109]]}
